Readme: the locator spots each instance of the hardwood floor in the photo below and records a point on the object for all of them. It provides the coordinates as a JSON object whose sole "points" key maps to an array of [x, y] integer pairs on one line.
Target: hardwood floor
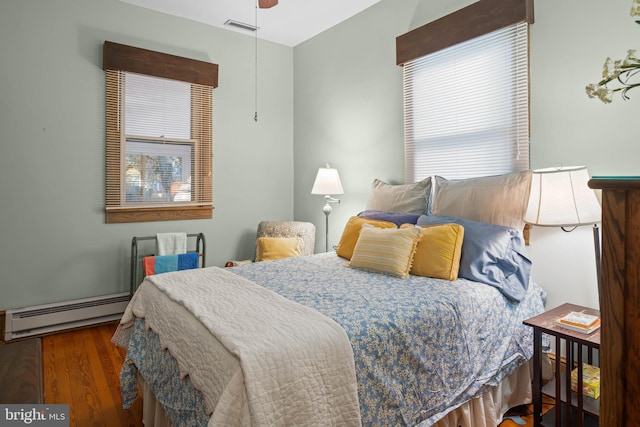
{"points": [[81, 368], [526, 413]]}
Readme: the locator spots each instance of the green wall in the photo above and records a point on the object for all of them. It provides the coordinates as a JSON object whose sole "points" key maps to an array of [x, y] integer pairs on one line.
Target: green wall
{"points": [[334, 98], [348, 111], [54, 244]]}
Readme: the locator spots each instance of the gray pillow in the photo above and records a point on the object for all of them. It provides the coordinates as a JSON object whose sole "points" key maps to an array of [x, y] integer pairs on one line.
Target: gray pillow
{"points": [[497, 199], [491, 254], [402, 198]]}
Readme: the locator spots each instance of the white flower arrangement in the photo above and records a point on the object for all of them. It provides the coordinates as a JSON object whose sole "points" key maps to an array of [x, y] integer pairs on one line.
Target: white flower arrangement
{"points": [[618, 76], [635, 9]]}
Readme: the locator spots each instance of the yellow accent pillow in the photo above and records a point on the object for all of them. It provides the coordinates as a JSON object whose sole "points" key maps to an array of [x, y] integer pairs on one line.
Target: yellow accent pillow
{"points": [[351, 233], [272, 248], [385, 250], [438, 251]]}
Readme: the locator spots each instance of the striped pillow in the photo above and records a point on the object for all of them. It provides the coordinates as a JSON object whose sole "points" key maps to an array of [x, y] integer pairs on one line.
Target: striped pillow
{"points": [[385, 250], [351, 233]]}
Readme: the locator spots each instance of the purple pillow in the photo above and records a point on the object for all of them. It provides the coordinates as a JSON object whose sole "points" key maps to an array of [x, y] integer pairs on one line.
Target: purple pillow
{"points": [[396, 218]]}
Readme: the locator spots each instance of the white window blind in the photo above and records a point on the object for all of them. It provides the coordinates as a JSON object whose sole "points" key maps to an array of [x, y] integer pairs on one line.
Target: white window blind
{"points": [[466, 108], [157, 107]]}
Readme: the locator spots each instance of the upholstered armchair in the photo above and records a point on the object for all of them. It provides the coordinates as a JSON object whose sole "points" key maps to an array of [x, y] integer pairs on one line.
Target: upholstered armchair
{"points": [[281, 239], [304, 231]]}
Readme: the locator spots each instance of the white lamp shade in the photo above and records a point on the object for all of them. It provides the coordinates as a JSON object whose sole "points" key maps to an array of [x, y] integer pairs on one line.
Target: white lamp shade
{"points": [[561, 197], [327, 182]]}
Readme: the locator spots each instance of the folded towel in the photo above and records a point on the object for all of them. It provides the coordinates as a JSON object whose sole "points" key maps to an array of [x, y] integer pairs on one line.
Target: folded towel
{"points": [[149, 265], [165, 263], [188, 261], [171, 243]]}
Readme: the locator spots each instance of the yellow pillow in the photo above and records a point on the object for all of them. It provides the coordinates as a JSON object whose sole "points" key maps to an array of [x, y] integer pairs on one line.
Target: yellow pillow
{"points": [[438, 251], [272, 248], [385, 250], [352, 231]]}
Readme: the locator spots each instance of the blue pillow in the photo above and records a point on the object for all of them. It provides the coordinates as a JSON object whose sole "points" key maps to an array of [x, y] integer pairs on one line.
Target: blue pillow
{"points": [[491, 254], [396, 218]]}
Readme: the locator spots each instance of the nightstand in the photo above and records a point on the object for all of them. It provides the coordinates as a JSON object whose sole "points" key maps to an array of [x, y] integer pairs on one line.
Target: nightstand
{"points": [[580, 410]]}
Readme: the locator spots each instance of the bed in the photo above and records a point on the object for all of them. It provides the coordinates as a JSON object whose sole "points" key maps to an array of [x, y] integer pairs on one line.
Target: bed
{"points": [[342, 338]]}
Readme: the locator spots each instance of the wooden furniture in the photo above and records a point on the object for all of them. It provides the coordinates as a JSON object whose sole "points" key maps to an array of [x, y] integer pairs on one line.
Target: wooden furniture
{"points": [[620, 300], [580, 410]]}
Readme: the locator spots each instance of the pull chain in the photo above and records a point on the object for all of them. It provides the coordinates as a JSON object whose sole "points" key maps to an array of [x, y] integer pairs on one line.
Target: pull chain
{"points": [[255, 117]]}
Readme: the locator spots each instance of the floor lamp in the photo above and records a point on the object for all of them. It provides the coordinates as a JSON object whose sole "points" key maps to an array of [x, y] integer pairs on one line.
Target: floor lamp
{"points": [[328, 183], [561, 197]]}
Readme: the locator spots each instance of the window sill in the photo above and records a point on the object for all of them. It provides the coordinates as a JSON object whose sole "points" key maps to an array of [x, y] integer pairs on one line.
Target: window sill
{"points": [[178, 213]]}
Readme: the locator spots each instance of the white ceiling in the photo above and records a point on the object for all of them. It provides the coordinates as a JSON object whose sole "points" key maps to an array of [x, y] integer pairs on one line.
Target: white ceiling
{"points": [[290, 22]]}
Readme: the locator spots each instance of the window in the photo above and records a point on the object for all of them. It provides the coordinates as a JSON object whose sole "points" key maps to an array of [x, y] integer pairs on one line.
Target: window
{"points": [[158, 145], [157, 171], [159, 137], [467, 103]]}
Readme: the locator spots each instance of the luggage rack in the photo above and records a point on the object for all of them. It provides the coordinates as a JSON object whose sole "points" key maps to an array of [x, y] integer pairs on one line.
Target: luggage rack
{"points": [[137, 255]]}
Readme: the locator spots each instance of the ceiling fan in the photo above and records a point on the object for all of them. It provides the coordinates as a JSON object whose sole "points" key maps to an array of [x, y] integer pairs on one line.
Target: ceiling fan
{"points": [[266, 4]]}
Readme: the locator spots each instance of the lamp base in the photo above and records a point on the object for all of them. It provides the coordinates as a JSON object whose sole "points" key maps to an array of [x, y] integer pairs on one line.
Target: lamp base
{"points": [[327, 211]]}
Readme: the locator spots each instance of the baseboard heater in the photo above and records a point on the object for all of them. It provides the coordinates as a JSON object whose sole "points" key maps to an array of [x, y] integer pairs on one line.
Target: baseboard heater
{"points": [[46, 318]]}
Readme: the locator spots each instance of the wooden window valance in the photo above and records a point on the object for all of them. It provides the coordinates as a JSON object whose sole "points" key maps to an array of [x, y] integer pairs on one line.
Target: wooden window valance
{"points": [[142, 61], [477, 19]]}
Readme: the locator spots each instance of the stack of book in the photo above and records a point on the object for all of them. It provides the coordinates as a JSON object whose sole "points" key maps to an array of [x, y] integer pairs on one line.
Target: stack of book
{"points": [[579, 322]]}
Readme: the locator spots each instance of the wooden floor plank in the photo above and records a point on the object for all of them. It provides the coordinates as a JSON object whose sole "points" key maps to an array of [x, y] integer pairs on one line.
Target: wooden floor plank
{"points": [[98, 385], [82, 393], [57, 383], [50, 378], [110, 396]]}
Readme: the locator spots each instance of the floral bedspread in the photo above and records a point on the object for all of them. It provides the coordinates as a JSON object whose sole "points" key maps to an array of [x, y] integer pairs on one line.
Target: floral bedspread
{"points": [[422, 346], [183, 404]]}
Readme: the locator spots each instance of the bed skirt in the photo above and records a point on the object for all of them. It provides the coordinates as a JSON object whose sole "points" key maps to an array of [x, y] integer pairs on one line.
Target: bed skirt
{"points": [[153, 414], [484, 411], [488, 409]]}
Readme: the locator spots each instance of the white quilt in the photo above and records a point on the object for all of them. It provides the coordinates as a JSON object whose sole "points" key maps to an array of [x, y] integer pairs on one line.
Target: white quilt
{"points": [[262, 359]]}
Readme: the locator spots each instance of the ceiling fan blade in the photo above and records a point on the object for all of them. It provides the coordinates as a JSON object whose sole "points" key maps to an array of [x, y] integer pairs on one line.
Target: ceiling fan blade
{"points": [[266, 4]]}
